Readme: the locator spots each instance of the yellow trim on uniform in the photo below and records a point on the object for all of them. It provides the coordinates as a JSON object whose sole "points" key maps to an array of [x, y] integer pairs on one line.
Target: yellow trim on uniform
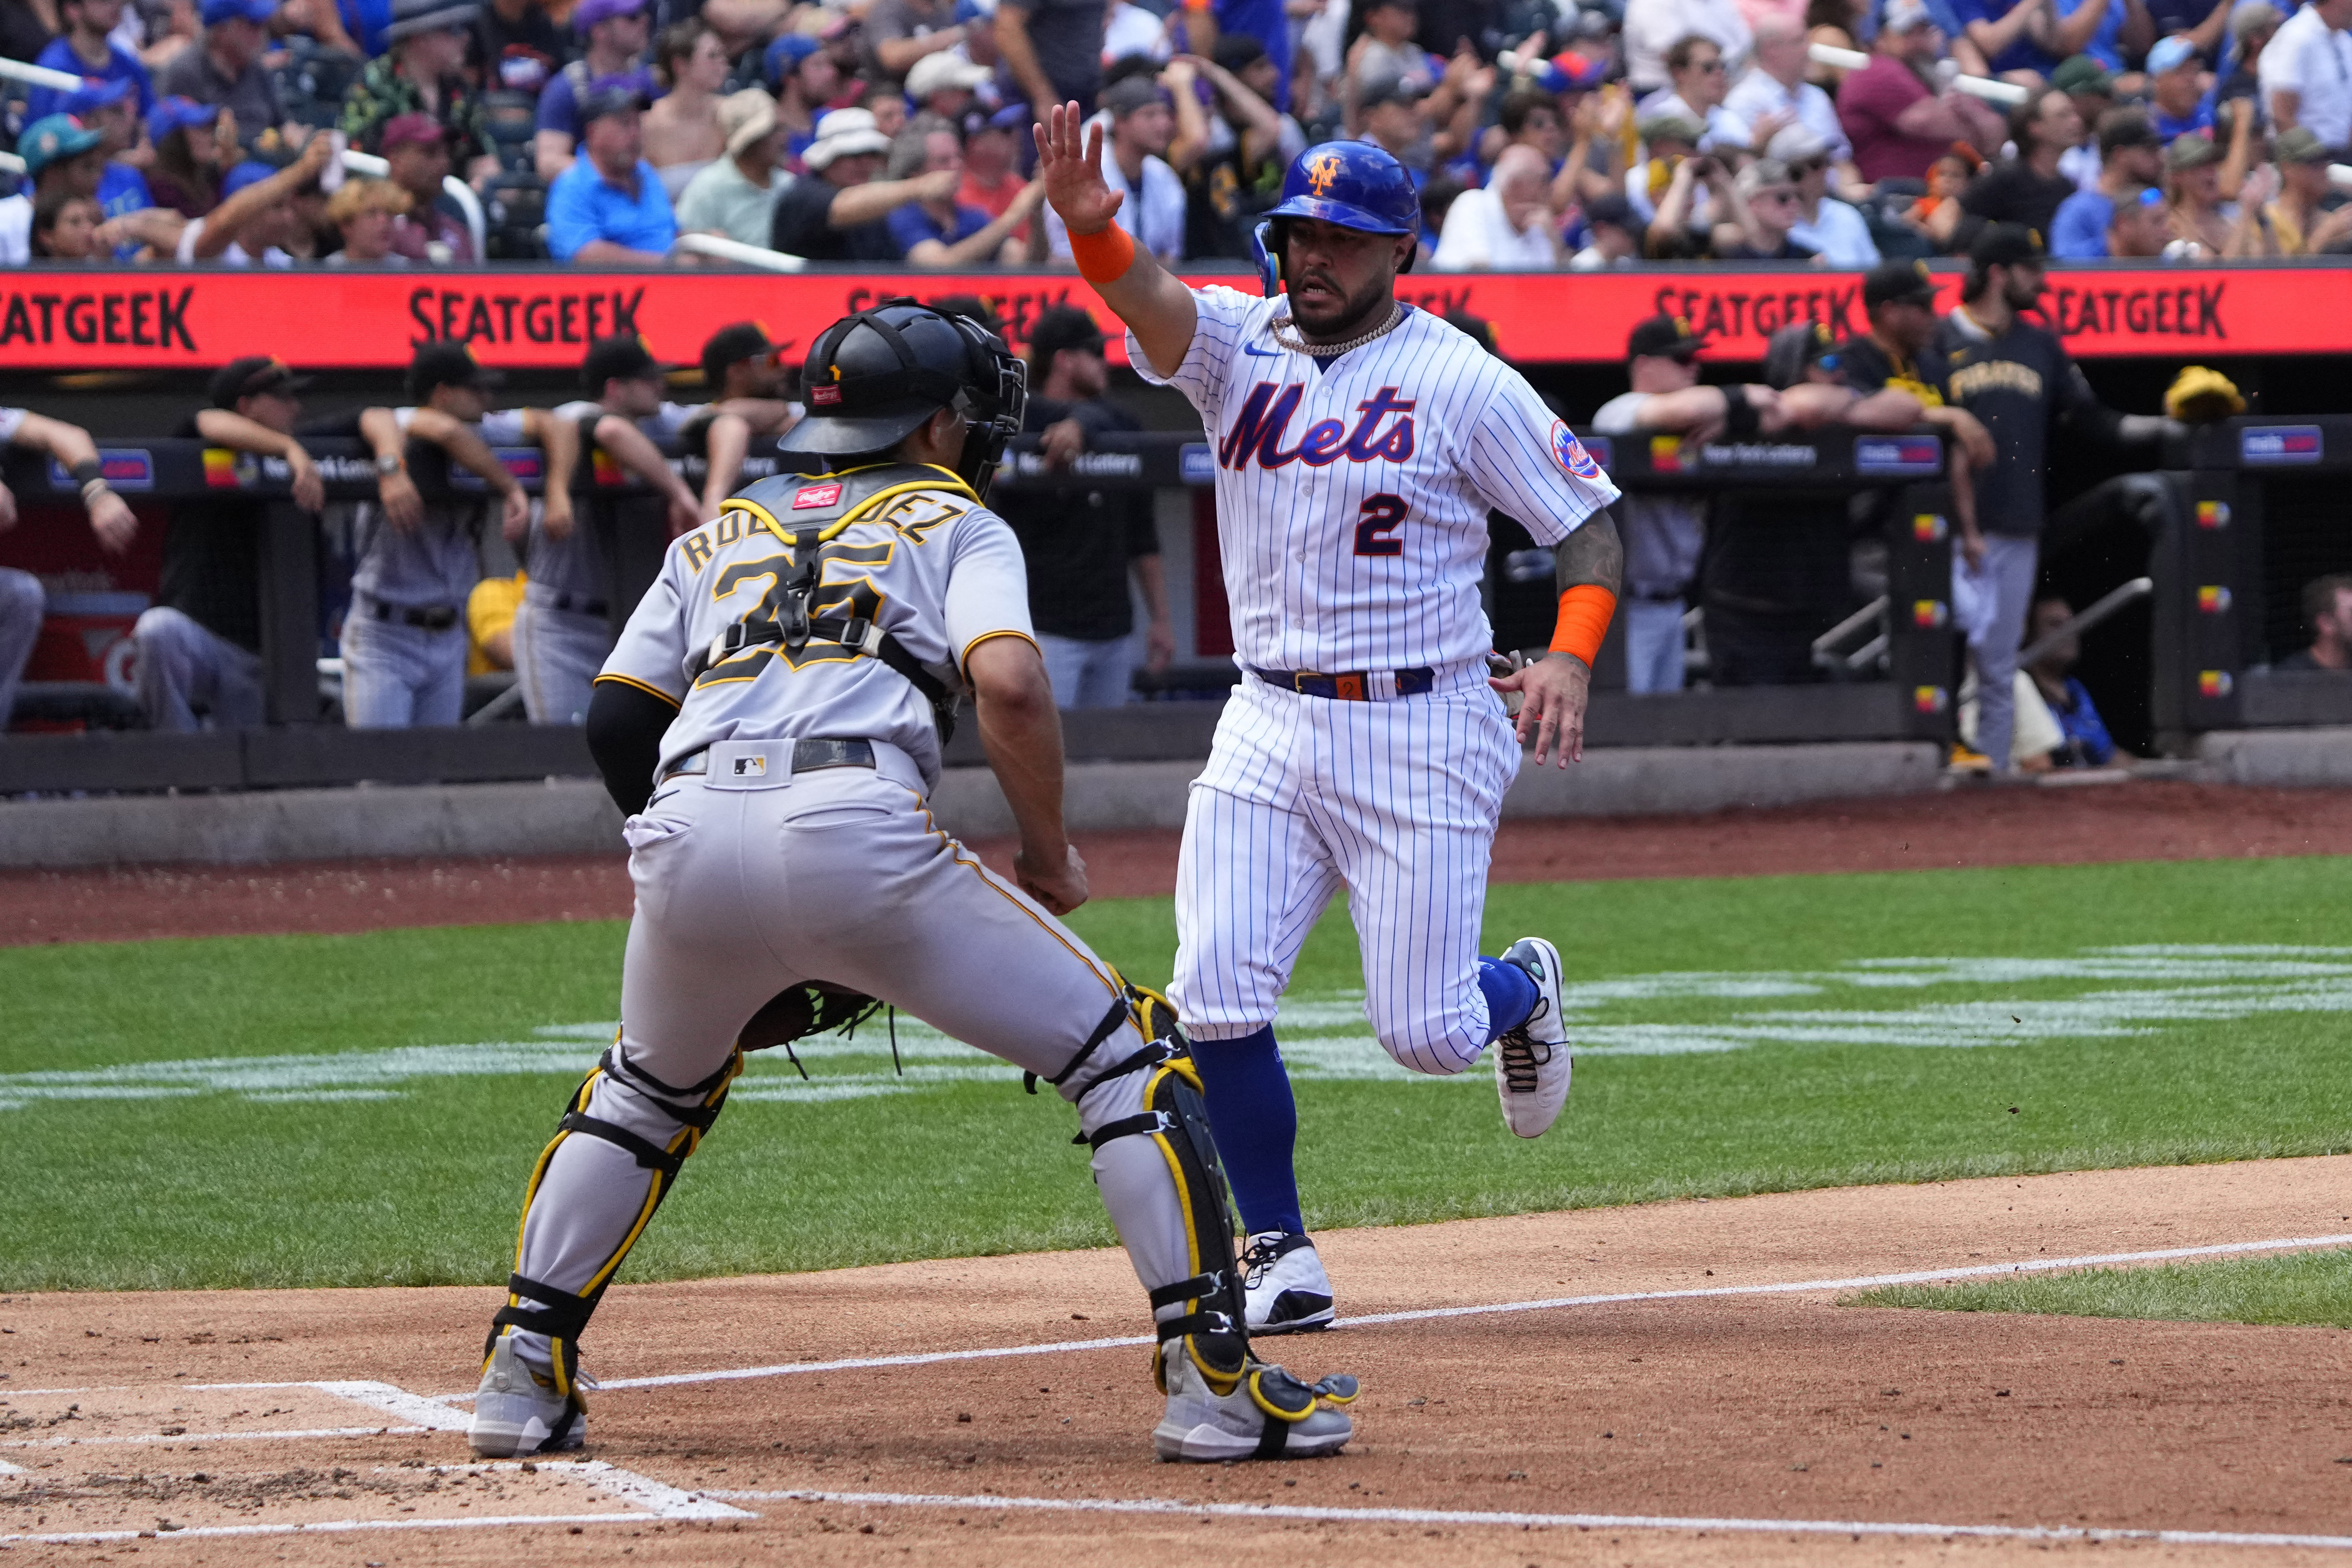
{"points": [[963, 660], [632, 680]]}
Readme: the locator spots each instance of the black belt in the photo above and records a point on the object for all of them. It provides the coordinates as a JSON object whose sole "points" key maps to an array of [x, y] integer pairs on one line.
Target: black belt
{"points": [[1355, 686], [431, 617], [808, 757], [584, 607]]}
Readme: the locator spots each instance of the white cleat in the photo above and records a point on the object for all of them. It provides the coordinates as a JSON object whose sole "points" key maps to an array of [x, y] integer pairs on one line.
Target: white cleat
{"points": [[516, 1411], [1532, 1062], [1283, 1283], [1269, 1415]]}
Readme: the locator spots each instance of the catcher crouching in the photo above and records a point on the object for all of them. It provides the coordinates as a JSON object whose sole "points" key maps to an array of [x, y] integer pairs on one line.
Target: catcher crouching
{"points": [[772, 722]]}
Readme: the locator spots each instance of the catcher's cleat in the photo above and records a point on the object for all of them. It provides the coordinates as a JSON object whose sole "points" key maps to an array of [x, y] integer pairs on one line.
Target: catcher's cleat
{"points": [[1531, 1062], [1286, 1288], [519, 1411], [1269, 1415]]}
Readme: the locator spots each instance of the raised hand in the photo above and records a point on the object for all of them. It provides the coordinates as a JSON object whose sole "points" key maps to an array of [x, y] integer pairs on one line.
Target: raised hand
{"points": [[1069, 160]]}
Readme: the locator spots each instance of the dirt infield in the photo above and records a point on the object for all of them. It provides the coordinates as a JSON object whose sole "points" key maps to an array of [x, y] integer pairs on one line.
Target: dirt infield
{"points": [[1777, 1425], [1976, 826]]}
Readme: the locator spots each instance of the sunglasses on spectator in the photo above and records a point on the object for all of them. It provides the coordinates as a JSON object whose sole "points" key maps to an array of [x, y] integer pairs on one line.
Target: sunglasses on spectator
{"points": [[1710, 66], [1776, 196], [1807, 166]]}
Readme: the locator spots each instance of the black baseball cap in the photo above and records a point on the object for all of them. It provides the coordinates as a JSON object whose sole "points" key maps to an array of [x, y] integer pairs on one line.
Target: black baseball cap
{"points": [[610, 95], [1236, 51], [2007, 245], [1898, 283], [1669, 336], [1610, 208], [1060, 327], [733, 345], [252, 376], [623, 358], [446, 362]]}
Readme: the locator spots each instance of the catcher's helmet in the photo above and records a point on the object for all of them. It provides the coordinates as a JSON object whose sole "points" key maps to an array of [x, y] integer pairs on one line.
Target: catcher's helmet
{"points": [[1355, 185], [874, 377]]}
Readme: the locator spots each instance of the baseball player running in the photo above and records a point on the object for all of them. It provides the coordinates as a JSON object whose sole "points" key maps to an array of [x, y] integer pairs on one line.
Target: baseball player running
{"points": [[1361, 444], [771, 720]]}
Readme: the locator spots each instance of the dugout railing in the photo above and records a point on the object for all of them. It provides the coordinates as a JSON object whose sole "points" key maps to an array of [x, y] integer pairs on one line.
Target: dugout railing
{"points": [[1908, 694]]}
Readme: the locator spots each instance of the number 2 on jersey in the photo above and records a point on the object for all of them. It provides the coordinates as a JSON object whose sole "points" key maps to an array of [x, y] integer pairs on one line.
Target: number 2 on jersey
{"points": [[1381, 515]]}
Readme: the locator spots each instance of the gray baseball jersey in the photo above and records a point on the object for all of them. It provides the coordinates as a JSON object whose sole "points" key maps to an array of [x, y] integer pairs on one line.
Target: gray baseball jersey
{"points": [[934, 568]]}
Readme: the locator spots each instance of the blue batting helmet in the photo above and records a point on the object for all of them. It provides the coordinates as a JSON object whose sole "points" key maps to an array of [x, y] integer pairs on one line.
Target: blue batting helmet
{"points": [[1355, 185]]}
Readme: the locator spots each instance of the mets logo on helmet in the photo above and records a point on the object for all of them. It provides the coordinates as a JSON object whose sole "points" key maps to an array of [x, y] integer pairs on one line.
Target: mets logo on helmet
{"points": [[1323, 173], [1572, 453]]}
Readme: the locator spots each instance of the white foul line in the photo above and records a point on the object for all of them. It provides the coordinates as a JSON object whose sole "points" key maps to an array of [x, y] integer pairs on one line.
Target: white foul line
{"points": [[1860, 1282], [1541, 1520], [264, 1434]]}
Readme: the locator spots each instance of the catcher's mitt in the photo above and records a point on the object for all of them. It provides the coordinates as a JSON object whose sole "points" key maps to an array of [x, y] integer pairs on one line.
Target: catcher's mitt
{"points": [[2201, 394], [814, 1008]]}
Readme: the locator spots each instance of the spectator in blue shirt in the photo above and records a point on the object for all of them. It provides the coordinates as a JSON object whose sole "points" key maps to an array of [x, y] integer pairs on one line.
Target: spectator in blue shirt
{"points": [[2176, 90], [609, 207], [107, 108], [2087, 743], [2131, 158], [2008, 34], [84, 50], [615, 32], [2103, 30]]}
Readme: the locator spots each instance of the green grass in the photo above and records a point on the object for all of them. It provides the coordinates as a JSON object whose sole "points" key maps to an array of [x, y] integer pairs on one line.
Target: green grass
{"points": [[216, 1188], [2306, 1288]]}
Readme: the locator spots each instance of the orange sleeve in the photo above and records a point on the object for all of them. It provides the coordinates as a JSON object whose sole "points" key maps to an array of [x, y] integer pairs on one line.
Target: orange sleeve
{"points": [[1584, 612]]}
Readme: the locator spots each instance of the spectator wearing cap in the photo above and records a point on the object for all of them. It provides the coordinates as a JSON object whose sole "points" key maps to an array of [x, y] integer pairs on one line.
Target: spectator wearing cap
{"points": [[2093, 89], [1899, 352], [2176, 90], [838, 211], [2138, 225], [2020, 384], [270, 211], [1825, 225], [1248, 145], [518, 47], [1664, 532], [682, 131], [744, 369], [1774, 96], [2309, 217], [2027, 189], [992, 172], [1764, 209], [933, 231], [224, 71], [2252, 24], [60, 153], [736, 195], [2305, 74], [1894, 114], [86, 49], [899, 35], [1613, 236], [366, 213], [1696, 193], [1653, 27], [609, 209], [941, 87], [1141, 126], [805, 82], [563, 626], [1504, 225], [423, 74], [2131, 158], [1053, 50], [1697, 84], [1084, 545], [613, 34], [1386, 55], [417, 146], [2203, 223], [188, 140], [1392, 118], [403, 639], [200, 645]]}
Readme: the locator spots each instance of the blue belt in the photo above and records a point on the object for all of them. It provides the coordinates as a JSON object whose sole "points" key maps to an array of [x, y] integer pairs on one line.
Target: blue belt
{"points": [[1355, 686]]}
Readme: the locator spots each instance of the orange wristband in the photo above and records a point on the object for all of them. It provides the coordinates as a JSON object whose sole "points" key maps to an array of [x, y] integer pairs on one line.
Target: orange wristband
{"points": [[1584, 612], [1102, 257]]}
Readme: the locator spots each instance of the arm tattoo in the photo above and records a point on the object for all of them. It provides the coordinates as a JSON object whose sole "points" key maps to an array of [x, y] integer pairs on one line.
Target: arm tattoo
{"points": [[1592, 554]]}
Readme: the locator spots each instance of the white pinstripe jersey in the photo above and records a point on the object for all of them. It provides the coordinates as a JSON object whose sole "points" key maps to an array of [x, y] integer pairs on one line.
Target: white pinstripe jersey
{"points": [[1352, 500], [933, 568]]}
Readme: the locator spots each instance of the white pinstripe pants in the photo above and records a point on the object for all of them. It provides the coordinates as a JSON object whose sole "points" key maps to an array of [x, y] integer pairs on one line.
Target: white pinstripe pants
{"points": [[1395, 801]]}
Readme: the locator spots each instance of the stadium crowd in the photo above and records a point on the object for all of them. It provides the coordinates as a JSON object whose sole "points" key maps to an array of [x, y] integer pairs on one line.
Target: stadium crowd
{"points": [[1542, 133]]}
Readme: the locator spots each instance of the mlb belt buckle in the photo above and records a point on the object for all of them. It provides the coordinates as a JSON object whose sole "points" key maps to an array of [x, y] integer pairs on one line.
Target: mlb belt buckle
{"points": [[748, 764]]}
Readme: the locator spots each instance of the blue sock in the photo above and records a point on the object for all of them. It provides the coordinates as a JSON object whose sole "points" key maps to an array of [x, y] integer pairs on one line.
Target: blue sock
{"points": [[1256, 1124], [1510, 996]]}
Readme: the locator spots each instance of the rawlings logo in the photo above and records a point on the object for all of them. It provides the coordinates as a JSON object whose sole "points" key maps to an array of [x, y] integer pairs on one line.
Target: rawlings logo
{"points": [[816, 496], [824, 395], [1572, 454]]}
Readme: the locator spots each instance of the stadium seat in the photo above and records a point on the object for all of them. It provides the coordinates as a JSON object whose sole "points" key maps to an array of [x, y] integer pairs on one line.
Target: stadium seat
{"points": [[515, 208]]}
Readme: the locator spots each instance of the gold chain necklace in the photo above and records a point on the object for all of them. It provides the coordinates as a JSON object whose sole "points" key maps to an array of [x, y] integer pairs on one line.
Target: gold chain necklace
{"points": [[1283, 334]]}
